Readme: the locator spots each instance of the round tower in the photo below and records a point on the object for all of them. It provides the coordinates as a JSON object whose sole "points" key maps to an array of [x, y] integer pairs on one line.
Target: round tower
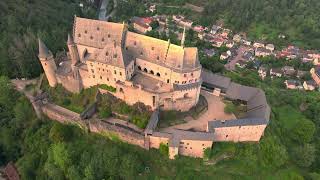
{"points": [[73, 51], [48, 64]]}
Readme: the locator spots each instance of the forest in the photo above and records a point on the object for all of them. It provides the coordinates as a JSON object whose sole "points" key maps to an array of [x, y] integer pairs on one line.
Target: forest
{"points": [[23, 22]]}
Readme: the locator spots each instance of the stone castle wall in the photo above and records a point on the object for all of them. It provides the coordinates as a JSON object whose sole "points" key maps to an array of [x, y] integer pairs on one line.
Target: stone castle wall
{"points": [[239, 133]]}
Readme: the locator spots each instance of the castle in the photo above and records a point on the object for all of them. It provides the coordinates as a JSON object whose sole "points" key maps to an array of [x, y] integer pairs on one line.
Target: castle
{"points": [[140, 68], [137, 68]]}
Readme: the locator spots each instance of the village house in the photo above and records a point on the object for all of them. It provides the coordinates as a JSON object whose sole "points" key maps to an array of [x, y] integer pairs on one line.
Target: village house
{"points": [[209, 52], [309, 85], [292, 84], [198, 28], [270, 47], [241, 64], [288, 70], [225, 33], [248, 55], [224, 56], [301, 74], [214, 29], [237, 38], [291, 52], [152, 8], [258, 44], [262, 72], [315, 74], [141, 25], [308, 59], [217, 41], [246, 42], [276, 72], [162, 19], [182, 21], [230, 44], [262, 52]]}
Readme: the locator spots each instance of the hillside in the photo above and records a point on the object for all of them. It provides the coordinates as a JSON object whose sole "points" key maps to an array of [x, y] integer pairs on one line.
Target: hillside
{"points": [[22, 22], [261, 19]]}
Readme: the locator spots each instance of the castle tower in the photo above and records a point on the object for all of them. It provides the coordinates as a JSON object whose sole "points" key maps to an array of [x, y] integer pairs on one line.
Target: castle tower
{"points": [[48, 64], [73, 51]]}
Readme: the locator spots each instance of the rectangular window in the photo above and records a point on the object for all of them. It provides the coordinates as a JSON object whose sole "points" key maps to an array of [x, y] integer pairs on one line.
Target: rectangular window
{"points": [[115, 72], [120, 73]]}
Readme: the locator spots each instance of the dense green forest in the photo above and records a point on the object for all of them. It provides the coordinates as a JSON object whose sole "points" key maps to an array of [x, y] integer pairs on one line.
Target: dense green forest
{"points": [[22, 22]]}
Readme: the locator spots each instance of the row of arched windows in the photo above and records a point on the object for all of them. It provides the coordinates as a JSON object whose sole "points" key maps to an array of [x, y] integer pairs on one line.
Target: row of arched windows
{"points": [[151, 71]]}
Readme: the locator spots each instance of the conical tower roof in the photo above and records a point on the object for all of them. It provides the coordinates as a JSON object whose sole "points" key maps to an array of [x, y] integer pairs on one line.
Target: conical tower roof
{"points": [[43, 50], [70, 39]]}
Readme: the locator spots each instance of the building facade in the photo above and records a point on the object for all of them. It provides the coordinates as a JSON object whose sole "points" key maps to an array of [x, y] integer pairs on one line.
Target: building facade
{"points": [[141, 68]]}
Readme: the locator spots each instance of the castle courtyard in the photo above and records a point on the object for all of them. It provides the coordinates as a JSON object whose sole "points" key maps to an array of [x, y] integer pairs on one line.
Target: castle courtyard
{"points": [[215, 112]]}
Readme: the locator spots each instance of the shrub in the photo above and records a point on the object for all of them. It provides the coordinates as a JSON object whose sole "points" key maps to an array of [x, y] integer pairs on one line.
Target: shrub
{"points": [[108, 88], [164, 149], [105, 112], [229, 108]]}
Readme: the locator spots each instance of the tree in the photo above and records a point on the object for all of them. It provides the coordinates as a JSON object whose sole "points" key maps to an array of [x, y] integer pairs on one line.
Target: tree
{"points": [[303, 131], [272, 153], [60, 133], [164, 149], [304, 155]]}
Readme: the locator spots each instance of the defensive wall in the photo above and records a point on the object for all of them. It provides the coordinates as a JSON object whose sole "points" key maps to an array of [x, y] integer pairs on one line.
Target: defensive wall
{"points": [[187, 143]]}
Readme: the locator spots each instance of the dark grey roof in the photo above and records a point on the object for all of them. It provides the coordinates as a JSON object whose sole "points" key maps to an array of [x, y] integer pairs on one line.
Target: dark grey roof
{"points": [[153, 122], [184, 87], [240, 92], [214, 79], [43, 50], [237, 122], [178, 135]]}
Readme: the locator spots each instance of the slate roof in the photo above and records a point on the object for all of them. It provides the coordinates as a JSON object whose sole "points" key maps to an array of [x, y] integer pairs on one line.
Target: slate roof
{"points": [[43, 50], [214, 79], [153, 122], [240, 92], [184, 87], [236, 122]]}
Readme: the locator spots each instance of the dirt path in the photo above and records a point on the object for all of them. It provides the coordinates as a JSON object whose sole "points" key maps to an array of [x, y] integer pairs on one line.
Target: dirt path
{"points": [[215, 112]]}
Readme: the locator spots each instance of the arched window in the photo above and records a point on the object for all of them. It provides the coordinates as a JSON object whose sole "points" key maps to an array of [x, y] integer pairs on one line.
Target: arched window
{"points": [[151, 72], [186, 95], [139, 67], [85, 53], [158, 74], [121, 90], [145, 70]]}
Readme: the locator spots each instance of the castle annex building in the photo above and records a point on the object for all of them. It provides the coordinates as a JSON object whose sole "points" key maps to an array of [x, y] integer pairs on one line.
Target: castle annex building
{"points": [[141, 68]]}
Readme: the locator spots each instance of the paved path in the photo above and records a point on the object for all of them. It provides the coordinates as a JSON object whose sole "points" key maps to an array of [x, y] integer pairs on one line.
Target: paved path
{"points": [[215, 112]]}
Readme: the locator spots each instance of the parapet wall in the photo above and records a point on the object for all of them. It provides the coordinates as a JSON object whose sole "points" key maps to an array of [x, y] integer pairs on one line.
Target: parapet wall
{"points": [[124, 134]]}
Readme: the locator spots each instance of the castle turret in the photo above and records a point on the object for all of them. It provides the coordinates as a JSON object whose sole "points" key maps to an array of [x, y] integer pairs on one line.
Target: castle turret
{"points": [[48, 64], [73, 51]]}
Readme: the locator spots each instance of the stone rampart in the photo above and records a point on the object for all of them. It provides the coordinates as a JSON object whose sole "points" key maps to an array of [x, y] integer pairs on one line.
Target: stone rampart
{"points": [[124, 133]]}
